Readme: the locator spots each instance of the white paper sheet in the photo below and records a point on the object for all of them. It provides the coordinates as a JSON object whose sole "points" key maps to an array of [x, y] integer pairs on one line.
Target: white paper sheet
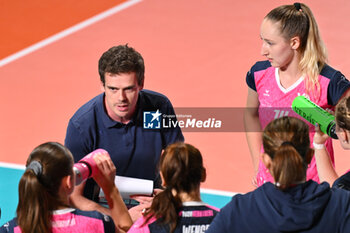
{"points": [[128, 186]]}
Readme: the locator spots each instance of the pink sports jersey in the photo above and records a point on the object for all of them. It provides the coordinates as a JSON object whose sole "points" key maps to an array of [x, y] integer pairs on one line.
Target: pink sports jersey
{"points": [[276, 101], [194, 217], [138, 226], [71, 221]]}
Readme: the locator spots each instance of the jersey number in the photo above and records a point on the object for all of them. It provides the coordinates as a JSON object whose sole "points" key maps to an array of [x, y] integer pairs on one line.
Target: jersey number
{"points": [[280, 113]]}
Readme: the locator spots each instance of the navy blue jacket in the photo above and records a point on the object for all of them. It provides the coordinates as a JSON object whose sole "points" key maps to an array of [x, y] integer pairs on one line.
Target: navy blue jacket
{"points": [[343, 182], [307, 207]]}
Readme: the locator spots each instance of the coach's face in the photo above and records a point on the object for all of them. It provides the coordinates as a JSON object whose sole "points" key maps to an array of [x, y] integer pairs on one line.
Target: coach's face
{"points": [[121, 94]]}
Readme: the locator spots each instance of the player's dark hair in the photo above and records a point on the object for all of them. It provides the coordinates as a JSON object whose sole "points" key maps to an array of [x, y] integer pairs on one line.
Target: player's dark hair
{"points": [[39, 186], [286, 140], [181, 166], [122, 59], [342, 113]]}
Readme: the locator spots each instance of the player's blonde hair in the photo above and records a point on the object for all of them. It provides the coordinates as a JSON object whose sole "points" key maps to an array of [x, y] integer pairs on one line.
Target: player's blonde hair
{"points": [[298, 20]]}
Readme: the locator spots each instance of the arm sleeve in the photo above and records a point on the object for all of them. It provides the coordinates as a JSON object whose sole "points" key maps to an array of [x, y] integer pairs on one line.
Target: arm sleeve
{"points": [[171, 135], [217, 225], [75, 142], [250, 80], [344, 220], [345, 224], [108, 224], [80, 145], [338, 85], [8, 227], [258, 66], [343, 182], [225, 220]]}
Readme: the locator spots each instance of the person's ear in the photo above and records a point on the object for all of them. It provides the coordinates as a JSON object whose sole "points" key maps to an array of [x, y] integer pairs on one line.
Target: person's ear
{"points": [[347, 133], [102, 86], [162, 179], [266, 159], [204, 175], [343, 135], [295, 42], [67, 182], [142, 84]]}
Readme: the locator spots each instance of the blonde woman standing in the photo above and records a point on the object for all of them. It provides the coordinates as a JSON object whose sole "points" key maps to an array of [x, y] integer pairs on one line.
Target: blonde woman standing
{"points": [[296, 65]]}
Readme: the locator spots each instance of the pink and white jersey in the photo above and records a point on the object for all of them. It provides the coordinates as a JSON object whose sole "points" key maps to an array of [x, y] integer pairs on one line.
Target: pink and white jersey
{"points": [[71, 221], [276, 101], [194, 217]]}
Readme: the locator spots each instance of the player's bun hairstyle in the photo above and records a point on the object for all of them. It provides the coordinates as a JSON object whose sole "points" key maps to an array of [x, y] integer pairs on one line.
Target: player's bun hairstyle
{"points": [[122, 59], [342, 113], [38, 187], [286, 140], [298, 20], [181, 166]]}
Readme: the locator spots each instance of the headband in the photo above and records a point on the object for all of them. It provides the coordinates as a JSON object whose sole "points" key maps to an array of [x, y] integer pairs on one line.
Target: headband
{"points": [[36, 167]]}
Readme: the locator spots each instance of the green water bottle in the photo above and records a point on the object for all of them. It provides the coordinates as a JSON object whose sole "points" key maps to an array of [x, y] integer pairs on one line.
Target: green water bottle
{"points": [[315, 114]]}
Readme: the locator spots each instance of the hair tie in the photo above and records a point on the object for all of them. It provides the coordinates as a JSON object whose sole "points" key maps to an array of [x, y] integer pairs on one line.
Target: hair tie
{"points": [[287, 143], [36, 167], [297, 6], [299, 149]]}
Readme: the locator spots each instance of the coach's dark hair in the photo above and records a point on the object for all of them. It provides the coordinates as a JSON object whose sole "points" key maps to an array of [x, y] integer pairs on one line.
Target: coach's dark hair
{"points": [[181, 166], [39, 188], [286, 140], [122, 59]]}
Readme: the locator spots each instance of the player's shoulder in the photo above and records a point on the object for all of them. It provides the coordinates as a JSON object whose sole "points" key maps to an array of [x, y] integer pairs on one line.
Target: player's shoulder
{"points": [[141, 224], [88, 109], [152, 94], [260, 65], [148, 97], [257, 71], [213, 208], [9, 226], [329, 72], [92, 214]]}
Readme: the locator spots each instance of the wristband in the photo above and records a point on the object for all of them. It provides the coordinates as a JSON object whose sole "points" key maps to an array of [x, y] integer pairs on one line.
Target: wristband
{"points": [[318, 146]]}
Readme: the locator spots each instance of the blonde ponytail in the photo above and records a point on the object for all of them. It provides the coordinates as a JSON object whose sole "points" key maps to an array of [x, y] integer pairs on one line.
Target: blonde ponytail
{"points": [[299, 21], [314, 57]]}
